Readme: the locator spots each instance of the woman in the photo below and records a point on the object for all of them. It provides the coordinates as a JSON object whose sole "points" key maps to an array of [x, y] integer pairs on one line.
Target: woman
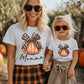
{"points": [[27, 42]]}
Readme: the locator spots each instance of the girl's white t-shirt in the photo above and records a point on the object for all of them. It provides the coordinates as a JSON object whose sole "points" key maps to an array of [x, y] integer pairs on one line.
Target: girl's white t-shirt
{"points": [[30, 44], [63, 50]]}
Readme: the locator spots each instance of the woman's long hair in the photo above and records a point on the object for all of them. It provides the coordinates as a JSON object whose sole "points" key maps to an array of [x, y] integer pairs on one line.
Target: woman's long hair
{"points": [[42, 20]]}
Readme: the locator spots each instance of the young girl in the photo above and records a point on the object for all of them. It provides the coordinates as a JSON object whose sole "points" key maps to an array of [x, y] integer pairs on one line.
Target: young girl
{"points": [[64, 50]]}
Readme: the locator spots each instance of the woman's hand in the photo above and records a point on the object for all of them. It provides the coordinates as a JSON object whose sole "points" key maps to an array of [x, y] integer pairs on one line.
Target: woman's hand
{"points": [[71, 72]]}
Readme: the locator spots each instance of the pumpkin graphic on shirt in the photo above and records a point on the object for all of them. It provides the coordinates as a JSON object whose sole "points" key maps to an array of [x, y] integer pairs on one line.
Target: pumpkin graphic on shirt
{"points": [[63, 50], [31, 45]]}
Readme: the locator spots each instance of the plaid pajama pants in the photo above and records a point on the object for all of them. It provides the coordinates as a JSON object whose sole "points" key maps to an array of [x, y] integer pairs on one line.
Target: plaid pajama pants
{"points": [[33, 74]]}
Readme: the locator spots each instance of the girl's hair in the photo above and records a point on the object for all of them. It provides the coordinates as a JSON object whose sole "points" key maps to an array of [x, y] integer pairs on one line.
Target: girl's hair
{"points": [[42, 20], [67, 18]]}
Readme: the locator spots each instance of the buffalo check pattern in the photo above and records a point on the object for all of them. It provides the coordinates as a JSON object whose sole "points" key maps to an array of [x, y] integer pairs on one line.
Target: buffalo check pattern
{"points": [[33, 74]]}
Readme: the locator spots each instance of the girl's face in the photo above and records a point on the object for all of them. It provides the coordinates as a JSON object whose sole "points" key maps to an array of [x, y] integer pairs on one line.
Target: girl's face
{"points": [[33, 10], [61, 28]]}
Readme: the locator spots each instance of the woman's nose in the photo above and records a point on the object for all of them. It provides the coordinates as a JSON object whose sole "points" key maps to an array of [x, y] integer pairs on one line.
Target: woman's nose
{"points": [[33, 9]]}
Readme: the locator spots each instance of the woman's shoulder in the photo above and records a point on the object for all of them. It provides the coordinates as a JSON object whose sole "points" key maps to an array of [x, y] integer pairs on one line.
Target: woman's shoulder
{"points": [[47, 28], [14, 26], [47, 31], [53, 41]]}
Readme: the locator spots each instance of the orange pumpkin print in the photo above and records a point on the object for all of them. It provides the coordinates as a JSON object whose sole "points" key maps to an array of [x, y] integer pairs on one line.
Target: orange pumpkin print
{"points": [[1, 59], [63, 51], [81, 56], [81, 59], [31, 46], [3, 50]]}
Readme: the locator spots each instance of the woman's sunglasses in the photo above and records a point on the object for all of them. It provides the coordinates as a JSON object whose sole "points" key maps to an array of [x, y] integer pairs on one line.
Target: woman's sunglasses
{"points": [[64, 27], [37, 8]]}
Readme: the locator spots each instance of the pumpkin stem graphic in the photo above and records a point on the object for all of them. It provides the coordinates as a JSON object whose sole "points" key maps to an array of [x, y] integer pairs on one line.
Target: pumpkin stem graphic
{"points": [[32, 35]]}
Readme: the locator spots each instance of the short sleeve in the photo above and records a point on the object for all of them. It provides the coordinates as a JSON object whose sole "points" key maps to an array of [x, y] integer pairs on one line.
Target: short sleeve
{"points": [[49, 37], [50, 45], [75, 47], [9, 37]]}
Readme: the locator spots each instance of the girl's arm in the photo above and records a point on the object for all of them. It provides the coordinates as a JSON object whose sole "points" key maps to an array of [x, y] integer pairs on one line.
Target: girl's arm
{"points": [[73, 64], [49, 55], [10, 63]]}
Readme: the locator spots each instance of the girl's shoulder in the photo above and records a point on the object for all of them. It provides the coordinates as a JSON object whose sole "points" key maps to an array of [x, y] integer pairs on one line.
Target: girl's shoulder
{"points": [[73, 40]]}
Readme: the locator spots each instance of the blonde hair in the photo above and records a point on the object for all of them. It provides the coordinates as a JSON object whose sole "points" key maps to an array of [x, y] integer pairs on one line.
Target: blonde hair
{"points": [[67, 18], [42, 21]]}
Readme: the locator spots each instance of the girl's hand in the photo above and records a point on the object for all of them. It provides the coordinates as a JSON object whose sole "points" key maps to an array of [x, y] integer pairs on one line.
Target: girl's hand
{"points": [[47, 65], [71, 72]]}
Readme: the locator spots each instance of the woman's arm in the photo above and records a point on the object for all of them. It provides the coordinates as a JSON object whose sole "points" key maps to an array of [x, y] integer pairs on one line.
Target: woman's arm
{"points": [[73, 64], [10, 63]]}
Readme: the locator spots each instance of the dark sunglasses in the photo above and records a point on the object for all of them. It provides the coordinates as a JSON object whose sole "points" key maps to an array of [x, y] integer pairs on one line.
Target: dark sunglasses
{"points": [[37, 8], [64, 27]]}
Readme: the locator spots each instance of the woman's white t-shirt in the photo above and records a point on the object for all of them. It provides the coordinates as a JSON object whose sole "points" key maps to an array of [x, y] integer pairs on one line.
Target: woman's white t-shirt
{"points": [[63, 50], [30, 44]]}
